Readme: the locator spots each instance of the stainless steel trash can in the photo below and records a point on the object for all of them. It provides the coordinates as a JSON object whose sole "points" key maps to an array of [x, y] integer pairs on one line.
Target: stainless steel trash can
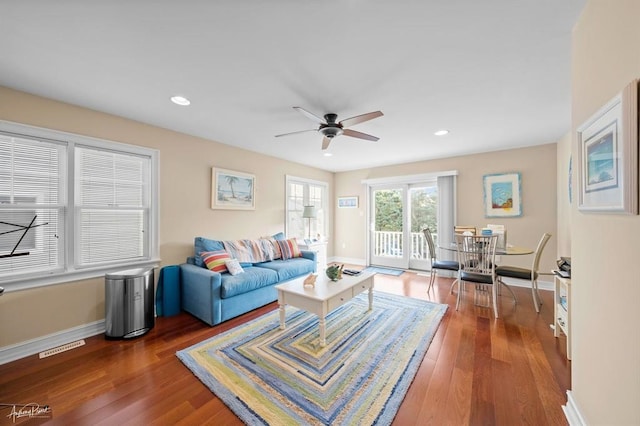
{"points": [[129, 303]]}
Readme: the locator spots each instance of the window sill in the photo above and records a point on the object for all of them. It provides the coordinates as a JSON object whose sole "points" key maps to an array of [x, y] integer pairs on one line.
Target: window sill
{"points": [[66, 277]]}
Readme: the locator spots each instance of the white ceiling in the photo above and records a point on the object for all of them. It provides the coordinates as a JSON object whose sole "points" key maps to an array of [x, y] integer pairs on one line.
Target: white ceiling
{"points": [[495, 73]]}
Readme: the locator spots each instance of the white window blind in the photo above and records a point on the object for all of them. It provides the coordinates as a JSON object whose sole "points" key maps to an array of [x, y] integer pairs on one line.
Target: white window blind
{"points": [[112, 206], [446, 214], [32, 206]]}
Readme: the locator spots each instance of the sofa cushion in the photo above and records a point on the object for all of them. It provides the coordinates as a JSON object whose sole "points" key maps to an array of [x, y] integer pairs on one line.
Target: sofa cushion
{"points": [[204, 244], [290, 268], [289, 248], [215, 260], [253, 278]]}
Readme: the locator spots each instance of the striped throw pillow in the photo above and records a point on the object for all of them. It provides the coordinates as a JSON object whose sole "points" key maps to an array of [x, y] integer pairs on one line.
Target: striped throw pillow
{"points": [[215, 260], [288, 248]]}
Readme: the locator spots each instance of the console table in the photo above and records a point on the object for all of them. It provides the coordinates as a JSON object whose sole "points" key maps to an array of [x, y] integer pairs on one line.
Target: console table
{"points": [[562, 309]]}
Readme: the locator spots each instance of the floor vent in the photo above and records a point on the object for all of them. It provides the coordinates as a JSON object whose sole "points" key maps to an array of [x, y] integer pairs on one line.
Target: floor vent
{"points": [[62, 348]]}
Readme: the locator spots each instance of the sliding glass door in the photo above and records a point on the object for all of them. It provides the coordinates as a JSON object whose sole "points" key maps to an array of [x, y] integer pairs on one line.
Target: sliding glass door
{"points": [[399, 214]]}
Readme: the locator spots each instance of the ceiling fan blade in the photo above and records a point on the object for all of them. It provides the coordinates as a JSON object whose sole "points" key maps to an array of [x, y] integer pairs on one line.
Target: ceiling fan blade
{"points": [[325, 142], [295, 133], [359, 135], [310, 115], [348, 122]]}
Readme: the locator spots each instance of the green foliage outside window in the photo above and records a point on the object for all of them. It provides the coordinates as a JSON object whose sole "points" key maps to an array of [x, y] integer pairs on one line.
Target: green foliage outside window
{"points": [[424, 205], [424, 211]]}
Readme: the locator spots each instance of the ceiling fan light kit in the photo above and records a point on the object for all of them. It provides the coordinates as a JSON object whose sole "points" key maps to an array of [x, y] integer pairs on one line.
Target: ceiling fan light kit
{"points": [[331, 132], [330, 129]]}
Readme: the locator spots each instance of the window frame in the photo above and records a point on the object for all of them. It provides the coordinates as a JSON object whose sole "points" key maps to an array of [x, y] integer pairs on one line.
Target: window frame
{"points": [[289, 179], [80, 208], [70, 271]]}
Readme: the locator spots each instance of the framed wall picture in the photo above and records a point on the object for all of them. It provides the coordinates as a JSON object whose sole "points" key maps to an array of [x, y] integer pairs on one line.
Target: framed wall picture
{"points": [[608, 156], [347, 202], [502, 195], [232, 190]]}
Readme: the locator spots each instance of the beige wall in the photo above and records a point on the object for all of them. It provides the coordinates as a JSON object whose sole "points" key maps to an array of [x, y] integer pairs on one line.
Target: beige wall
{"points": [[538, 168], [185, 196], [606, 314]]}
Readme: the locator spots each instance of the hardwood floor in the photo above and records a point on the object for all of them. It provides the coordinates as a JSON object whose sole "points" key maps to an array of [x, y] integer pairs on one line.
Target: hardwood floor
{"points": [[478, 370]]}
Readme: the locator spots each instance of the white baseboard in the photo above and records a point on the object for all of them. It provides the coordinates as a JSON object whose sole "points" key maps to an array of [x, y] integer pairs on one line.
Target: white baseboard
{"points": [[34, 346], [572, 413], [348, 260]]}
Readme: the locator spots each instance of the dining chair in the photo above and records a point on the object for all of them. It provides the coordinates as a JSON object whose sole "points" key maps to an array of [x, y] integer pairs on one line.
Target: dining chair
{"points": [[462, 229], [446, 265], [476, 257], [530, 275]]}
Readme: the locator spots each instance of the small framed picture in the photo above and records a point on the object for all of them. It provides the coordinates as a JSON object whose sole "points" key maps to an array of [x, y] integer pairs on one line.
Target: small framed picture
{"points": [[502, 195], [347, 202], [608, 156]]}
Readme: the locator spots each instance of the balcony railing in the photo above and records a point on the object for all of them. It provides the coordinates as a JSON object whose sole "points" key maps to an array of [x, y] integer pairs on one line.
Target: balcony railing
{"points": [[389, 244]]}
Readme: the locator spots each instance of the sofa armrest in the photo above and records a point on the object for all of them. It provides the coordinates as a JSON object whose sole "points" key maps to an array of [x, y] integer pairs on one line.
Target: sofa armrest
{"points": [[200, 293], [311, 255]]}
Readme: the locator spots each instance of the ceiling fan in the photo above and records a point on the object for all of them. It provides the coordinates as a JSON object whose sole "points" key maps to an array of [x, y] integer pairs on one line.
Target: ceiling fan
{"points": [[330, 129]]}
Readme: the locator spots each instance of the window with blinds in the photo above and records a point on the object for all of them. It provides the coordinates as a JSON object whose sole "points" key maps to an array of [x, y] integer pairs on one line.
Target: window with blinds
{"points": [[32, 206], [112, 206], [73, 207]]}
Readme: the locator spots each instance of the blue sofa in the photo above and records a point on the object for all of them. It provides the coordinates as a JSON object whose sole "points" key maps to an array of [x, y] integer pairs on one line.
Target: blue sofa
{"points": [[215, 297]]}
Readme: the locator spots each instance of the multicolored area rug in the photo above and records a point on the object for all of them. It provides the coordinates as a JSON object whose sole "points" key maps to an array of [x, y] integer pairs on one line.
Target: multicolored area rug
{"points": [[270, 376]]}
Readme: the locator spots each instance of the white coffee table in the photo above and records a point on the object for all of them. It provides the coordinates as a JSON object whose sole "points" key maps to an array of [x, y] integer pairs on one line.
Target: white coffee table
{"points": [[324, 297]]}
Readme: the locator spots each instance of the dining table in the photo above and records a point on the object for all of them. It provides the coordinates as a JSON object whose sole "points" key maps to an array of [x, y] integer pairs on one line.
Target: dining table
{"points": [[513, 251], [509, 250]]}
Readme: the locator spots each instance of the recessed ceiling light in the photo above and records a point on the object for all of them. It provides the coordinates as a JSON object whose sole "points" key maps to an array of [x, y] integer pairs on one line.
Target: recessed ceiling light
{"points": [[327, 154], [441, 132], [180, 100]]}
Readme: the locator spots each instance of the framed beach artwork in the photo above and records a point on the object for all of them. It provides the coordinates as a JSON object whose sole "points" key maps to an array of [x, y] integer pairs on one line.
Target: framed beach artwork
{"points": [[347, 202], [232, 190], [502, 195], [608, 156]]}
